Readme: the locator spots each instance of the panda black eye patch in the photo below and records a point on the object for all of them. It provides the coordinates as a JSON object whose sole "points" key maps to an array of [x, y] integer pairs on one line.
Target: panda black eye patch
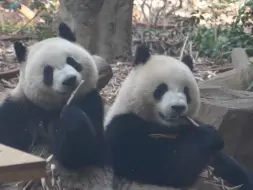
{"points": [[160, 91], [48, 74], [72, 62], [187, 94]]}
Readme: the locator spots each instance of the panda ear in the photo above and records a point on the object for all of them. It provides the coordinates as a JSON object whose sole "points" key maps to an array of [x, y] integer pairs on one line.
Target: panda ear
{"points": [[188, 61], [66, 33], [20, 51], [142, 55]]}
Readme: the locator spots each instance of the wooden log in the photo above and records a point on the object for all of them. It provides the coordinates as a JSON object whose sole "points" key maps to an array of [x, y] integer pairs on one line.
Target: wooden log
{"points": [[16, 165]]}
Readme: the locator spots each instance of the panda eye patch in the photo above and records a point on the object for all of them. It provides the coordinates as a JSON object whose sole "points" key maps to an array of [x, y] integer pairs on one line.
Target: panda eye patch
{"points": [[187, 94], [72, 62], [48, 74], [160, 91]]}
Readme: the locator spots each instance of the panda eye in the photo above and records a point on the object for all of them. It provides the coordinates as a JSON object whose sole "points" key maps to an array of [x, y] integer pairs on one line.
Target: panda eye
{"points": [[160, 91], [187, 94], [48, 75], [74, 64]]}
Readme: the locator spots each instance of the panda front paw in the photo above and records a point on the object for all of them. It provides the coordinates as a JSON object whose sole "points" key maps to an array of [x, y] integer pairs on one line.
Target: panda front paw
{"points": [[74, 139], [72, 121], [73, 118]]}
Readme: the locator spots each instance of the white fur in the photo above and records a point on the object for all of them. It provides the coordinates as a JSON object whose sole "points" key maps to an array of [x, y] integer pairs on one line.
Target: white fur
{"points": [[169, 99], [61, 74], [136, 93], [53, 52]]}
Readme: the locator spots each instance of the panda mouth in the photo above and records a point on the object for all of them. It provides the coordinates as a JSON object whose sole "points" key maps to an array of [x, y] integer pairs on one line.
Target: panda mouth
{"points": [[171, 118], [64, 93]]}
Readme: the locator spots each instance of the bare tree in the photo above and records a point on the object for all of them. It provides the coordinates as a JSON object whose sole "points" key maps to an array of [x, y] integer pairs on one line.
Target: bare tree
{"points": [[104, 27], [161, 10], [155, 11]]}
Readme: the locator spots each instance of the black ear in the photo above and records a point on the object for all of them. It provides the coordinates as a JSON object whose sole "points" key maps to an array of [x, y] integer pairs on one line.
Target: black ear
{"points": [[188, 61], [66, 33], [20, 51], [142, 55]]}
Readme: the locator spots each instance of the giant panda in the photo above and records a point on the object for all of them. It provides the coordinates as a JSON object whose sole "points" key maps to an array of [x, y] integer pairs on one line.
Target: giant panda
{"points": [[150, 139], [50, 71]]}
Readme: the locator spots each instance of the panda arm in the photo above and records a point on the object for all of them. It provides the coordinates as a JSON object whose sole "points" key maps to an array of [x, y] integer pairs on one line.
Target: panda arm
{"points": [[77, 137], [14, 122], [230, 170], [92, 105]]}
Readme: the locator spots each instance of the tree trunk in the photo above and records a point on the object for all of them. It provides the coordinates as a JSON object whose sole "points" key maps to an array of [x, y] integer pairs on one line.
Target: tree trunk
{"points": [[122, 39], [104, 27]]}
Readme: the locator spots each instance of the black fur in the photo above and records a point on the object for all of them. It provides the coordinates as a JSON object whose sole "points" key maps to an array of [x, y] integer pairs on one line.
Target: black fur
{"points": [[188, 61], [161, 89], [73, 63], [20, 51], [187, 94], [165, 162], [16, 120], [66, 33], [142, 55], [77, 136], [48, 75]]}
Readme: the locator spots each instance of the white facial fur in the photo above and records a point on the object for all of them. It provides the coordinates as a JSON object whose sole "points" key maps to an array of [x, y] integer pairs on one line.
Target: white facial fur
{"points": [[62, 74], [164, 106], [137, 91], [53, 52]]}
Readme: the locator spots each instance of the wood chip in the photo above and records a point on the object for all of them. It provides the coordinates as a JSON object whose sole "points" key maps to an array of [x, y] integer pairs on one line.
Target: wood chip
{"points": [[163, 136]]}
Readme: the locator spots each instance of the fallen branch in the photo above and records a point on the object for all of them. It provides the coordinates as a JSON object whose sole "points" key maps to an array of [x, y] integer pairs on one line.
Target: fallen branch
{"points": [[9, 73], [14, 38], [183, 48]]}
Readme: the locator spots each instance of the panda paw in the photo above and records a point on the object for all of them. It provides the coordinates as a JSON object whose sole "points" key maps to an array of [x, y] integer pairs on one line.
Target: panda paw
{"points": [[72, 135], [70, 113], [73, 118]]}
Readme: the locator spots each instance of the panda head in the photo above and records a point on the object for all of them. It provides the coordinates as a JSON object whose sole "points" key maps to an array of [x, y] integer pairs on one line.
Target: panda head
{"points": [[51, 69], [159, 88]]}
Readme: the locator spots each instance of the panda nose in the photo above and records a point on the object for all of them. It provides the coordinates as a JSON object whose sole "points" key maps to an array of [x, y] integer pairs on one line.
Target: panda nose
{"points": [[69, 81], [178, 108]]}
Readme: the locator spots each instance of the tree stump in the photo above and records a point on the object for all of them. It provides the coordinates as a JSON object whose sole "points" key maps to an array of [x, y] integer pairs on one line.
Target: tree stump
{"points": [[231, 112]]}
